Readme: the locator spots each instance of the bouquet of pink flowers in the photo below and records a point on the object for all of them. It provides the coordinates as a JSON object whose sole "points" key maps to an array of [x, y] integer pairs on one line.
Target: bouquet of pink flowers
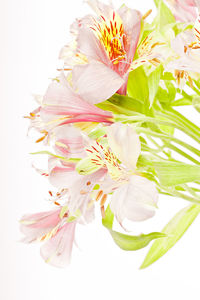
{"points": [[111, 127]]}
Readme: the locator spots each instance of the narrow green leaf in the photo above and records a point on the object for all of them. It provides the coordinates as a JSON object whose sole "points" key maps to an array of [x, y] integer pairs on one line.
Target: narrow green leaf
{"points": [[182, 102], [132, 243], [74, 160], [157, 2], [119, 104], [153, 83], [196, 103], [168, 94], [128, 242], [109, 218], [49, 153], [175, 173], [165, 16], [174, 230]]}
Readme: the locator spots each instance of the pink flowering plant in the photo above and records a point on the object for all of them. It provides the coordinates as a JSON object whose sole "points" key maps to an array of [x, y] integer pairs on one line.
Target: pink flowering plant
{"points": [[111, 126]]}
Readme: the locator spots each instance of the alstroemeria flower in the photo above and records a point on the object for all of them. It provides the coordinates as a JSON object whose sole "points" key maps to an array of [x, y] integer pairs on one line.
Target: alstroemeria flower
{"points": [[186, 60], [184, 10], [76, 190], [105, 47], [134, 197], [56, 233], [61, 105]]}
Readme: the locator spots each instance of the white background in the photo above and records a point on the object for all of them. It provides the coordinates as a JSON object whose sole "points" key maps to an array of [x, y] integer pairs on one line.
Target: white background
{"points": [[31, 35]]}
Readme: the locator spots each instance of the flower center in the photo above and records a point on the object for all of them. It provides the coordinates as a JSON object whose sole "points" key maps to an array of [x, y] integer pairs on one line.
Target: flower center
{"points": [[102, 156], [111, 34]]}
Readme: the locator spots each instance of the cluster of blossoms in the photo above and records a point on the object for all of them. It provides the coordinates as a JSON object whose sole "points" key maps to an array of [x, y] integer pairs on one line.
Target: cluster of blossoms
{"points": [[109, 118]]}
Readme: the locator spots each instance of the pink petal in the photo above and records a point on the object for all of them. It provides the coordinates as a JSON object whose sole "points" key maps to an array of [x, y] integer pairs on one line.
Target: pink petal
{"points": [[101, 8], [90, 46], [132, 25], [57, 250], [96, 82], [69, 142], [60, 100], [34, 226], [63, 177], [88, 118], [183, 10]]}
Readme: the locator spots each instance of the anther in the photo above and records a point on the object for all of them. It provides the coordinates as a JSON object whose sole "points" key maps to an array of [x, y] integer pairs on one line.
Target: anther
{"points": [[103, 200], [100, 193], [147, 14], [82, 192], [103, 214]]}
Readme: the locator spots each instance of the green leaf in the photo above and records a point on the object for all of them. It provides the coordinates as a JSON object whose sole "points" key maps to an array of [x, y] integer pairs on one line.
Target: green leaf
{"points": [[157, 2], [167, 129], [49, 153], [73, 160], [120, 104], [174, 230], [174, 173], [138, 85], [153, 83], [166, 95], [132, 243], [165, 16], [182, 102], [128, 242], [196, 103], [109, 218]]}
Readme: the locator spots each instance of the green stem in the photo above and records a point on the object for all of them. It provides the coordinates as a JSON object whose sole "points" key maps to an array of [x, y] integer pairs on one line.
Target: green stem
{"points": [[187, 126], [181, 195], [168, 138], [182, 153]]}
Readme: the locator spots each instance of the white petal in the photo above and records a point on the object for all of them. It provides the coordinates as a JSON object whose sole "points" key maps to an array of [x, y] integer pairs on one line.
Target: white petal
{"points": [[135, 200], [125, 144], [57, 250]]}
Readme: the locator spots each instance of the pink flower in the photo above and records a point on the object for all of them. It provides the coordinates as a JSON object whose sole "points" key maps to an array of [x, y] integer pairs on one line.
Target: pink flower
{"points": [[133, 196], [184, 10], [52, 229], [186, 60], [76, 189], [62, 105], [105, 46]]}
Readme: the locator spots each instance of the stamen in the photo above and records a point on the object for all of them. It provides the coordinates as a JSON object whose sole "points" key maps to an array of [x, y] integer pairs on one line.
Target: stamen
{"points": [[82, 192], [147, 14], [64, 69], [103, 214], [100, 193], [111, 34], [103, 200], [43, 137], [45, 174]]}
